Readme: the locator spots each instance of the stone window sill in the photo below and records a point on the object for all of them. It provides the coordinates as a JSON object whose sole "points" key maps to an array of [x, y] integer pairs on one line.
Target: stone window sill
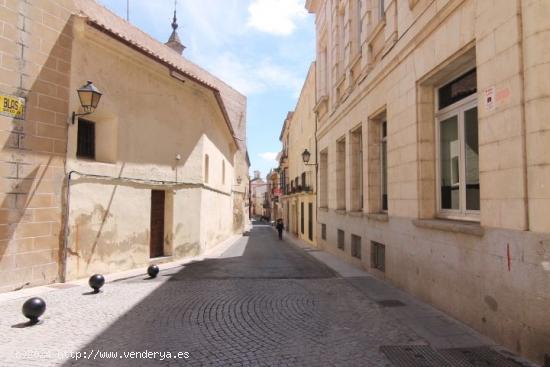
{"points": [[380, 217], [323, 209], [340, 211], [355, 213], [455, 226]]}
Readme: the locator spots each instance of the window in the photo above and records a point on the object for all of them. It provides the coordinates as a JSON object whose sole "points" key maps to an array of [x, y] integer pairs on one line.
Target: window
{"points": [[341, 174], [324, 70], [356, 246], [323, 179], [381, 9], [323, 231], [458, 148], [302, 217], [223, 172], [359, 21], [304, 181], [85, 147], [356, 159], [378, 256], [341, 240], [206, 168], [384, 165], [458, 89], [341, 40], [310, 221]]}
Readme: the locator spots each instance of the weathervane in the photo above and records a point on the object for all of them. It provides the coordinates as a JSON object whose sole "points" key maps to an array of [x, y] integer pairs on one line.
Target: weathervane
{"points": [[175, 20], [174, 41]]}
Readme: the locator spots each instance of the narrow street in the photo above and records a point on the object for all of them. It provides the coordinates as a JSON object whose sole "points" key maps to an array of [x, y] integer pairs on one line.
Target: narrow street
{"points": [[263, 302]]}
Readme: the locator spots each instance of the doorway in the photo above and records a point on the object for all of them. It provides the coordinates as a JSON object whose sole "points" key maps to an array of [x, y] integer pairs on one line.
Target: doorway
{"points": [[156, 245]]}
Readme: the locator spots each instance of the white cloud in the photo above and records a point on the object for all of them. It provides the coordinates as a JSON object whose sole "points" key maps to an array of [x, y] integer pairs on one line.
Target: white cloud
{"points": [[254, 77], [269, 156], [276, 17]]}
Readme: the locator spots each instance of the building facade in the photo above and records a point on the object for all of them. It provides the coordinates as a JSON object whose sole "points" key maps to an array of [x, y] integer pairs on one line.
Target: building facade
{"points": [[298, 134], [433, 154], [151, 175], [275, 191], [259, 198]]}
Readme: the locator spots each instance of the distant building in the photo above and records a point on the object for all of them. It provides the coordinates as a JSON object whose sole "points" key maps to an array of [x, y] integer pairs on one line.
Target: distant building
{"points": [[275, 193], [258, 191], [434, 154], [299, 196]]}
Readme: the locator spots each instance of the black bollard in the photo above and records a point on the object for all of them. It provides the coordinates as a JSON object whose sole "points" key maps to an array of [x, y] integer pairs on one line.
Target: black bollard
{"points": [[33, 308], [153, 271], [96, 282]]}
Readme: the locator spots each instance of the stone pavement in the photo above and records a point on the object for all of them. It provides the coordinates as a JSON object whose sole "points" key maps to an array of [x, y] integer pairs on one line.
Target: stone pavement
{"points": [[263, 302]]}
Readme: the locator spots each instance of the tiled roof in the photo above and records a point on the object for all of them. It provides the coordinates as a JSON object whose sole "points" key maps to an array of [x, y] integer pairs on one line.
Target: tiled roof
{"points": [[232, 102]]}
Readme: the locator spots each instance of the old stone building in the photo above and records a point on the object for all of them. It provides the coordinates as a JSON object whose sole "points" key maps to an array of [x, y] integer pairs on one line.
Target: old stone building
{"points": [[297, 135], [433, 154], [275, 191], [153, 174]]}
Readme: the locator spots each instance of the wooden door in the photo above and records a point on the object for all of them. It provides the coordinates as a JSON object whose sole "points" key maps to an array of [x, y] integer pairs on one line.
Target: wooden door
{"points": [[156, 246]]}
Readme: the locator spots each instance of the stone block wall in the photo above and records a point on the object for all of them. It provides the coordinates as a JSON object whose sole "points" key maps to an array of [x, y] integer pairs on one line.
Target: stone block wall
{"points": [[35, 52]]}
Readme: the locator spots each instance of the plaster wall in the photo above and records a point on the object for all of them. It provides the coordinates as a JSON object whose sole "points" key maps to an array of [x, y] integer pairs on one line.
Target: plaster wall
{"points": [[154, 132], [299, 134], [109, 228]]}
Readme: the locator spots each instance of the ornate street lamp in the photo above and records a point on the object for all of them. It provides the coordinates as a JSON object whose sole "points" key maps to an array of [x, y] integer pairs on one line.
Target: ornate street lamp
{"points": [[306, 155], [89, 97]]}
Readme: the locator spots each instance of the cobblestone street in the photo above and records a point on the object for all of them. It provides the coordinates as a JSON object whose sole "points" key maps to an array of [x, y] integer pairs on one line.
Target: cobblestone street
{"points": [[262, 303]]}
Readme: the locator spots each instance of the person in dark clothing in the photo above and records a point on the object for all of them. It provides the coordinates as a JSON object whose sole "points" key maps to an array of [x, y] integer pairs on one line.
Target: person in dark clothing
{"points": [[280, 227]]}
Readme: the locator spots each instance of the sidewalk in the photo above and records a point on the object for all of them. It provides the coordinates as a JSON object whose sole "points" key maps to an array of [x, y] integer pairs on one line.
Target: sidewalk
{"points": [[214, 252], [437, 328]]}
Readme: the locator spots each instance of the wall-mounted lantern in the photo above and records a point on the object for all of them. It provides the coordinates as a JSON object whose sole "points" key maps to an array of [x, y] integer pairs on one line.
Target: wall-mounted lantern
{"points": [[306, 155], [239, 180], [89, 97]]}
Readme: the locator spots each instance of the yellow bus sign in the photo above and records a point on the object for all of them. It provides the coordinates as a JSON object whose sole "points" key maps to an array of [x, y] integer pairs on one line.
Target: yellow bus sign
{"points": [[12, 106]]}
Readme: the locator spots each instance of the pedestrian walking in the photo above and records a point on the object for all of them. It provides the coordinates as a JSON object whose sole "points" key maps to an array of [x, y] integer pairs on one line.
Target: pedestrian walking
{"points": [[280, 227]]}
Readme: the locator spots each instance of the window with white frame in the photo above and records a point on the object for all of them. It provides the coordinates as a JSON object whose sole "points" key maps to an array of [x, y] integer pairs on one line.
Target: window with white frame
{"points": [[458, 148]]}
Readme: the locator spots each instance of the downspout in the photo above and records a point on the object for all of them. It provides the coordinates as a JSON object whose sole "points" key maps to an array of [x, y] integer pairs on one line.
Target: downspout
{"points": [[523, 120], [66, 229]]}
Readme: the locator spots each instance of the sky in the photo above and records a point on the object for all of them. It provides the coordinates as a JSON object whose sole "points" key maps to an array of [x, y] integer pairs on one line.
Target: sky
{"points": [[262, 48]]}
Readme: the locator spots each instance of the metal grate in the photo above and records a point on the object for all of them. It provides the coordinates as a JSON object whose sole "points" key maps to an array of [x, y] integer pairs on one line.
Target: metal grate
{"points": [[478, 357], [390, 303], [378, 256], [341, 239], [356, 246], [414, 356]]}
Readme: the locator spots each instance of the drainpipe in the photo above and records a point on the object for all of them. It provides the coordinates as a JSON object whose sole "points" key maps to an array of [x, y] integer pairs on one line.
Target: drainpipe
{"points": [[523, 120], [63, 274]]}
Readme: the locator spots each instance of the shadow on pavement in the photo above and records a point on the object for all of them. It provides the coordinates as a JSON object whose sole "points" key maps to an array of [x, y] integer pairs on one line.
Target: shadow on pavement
{"points": [[225, 311]]}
